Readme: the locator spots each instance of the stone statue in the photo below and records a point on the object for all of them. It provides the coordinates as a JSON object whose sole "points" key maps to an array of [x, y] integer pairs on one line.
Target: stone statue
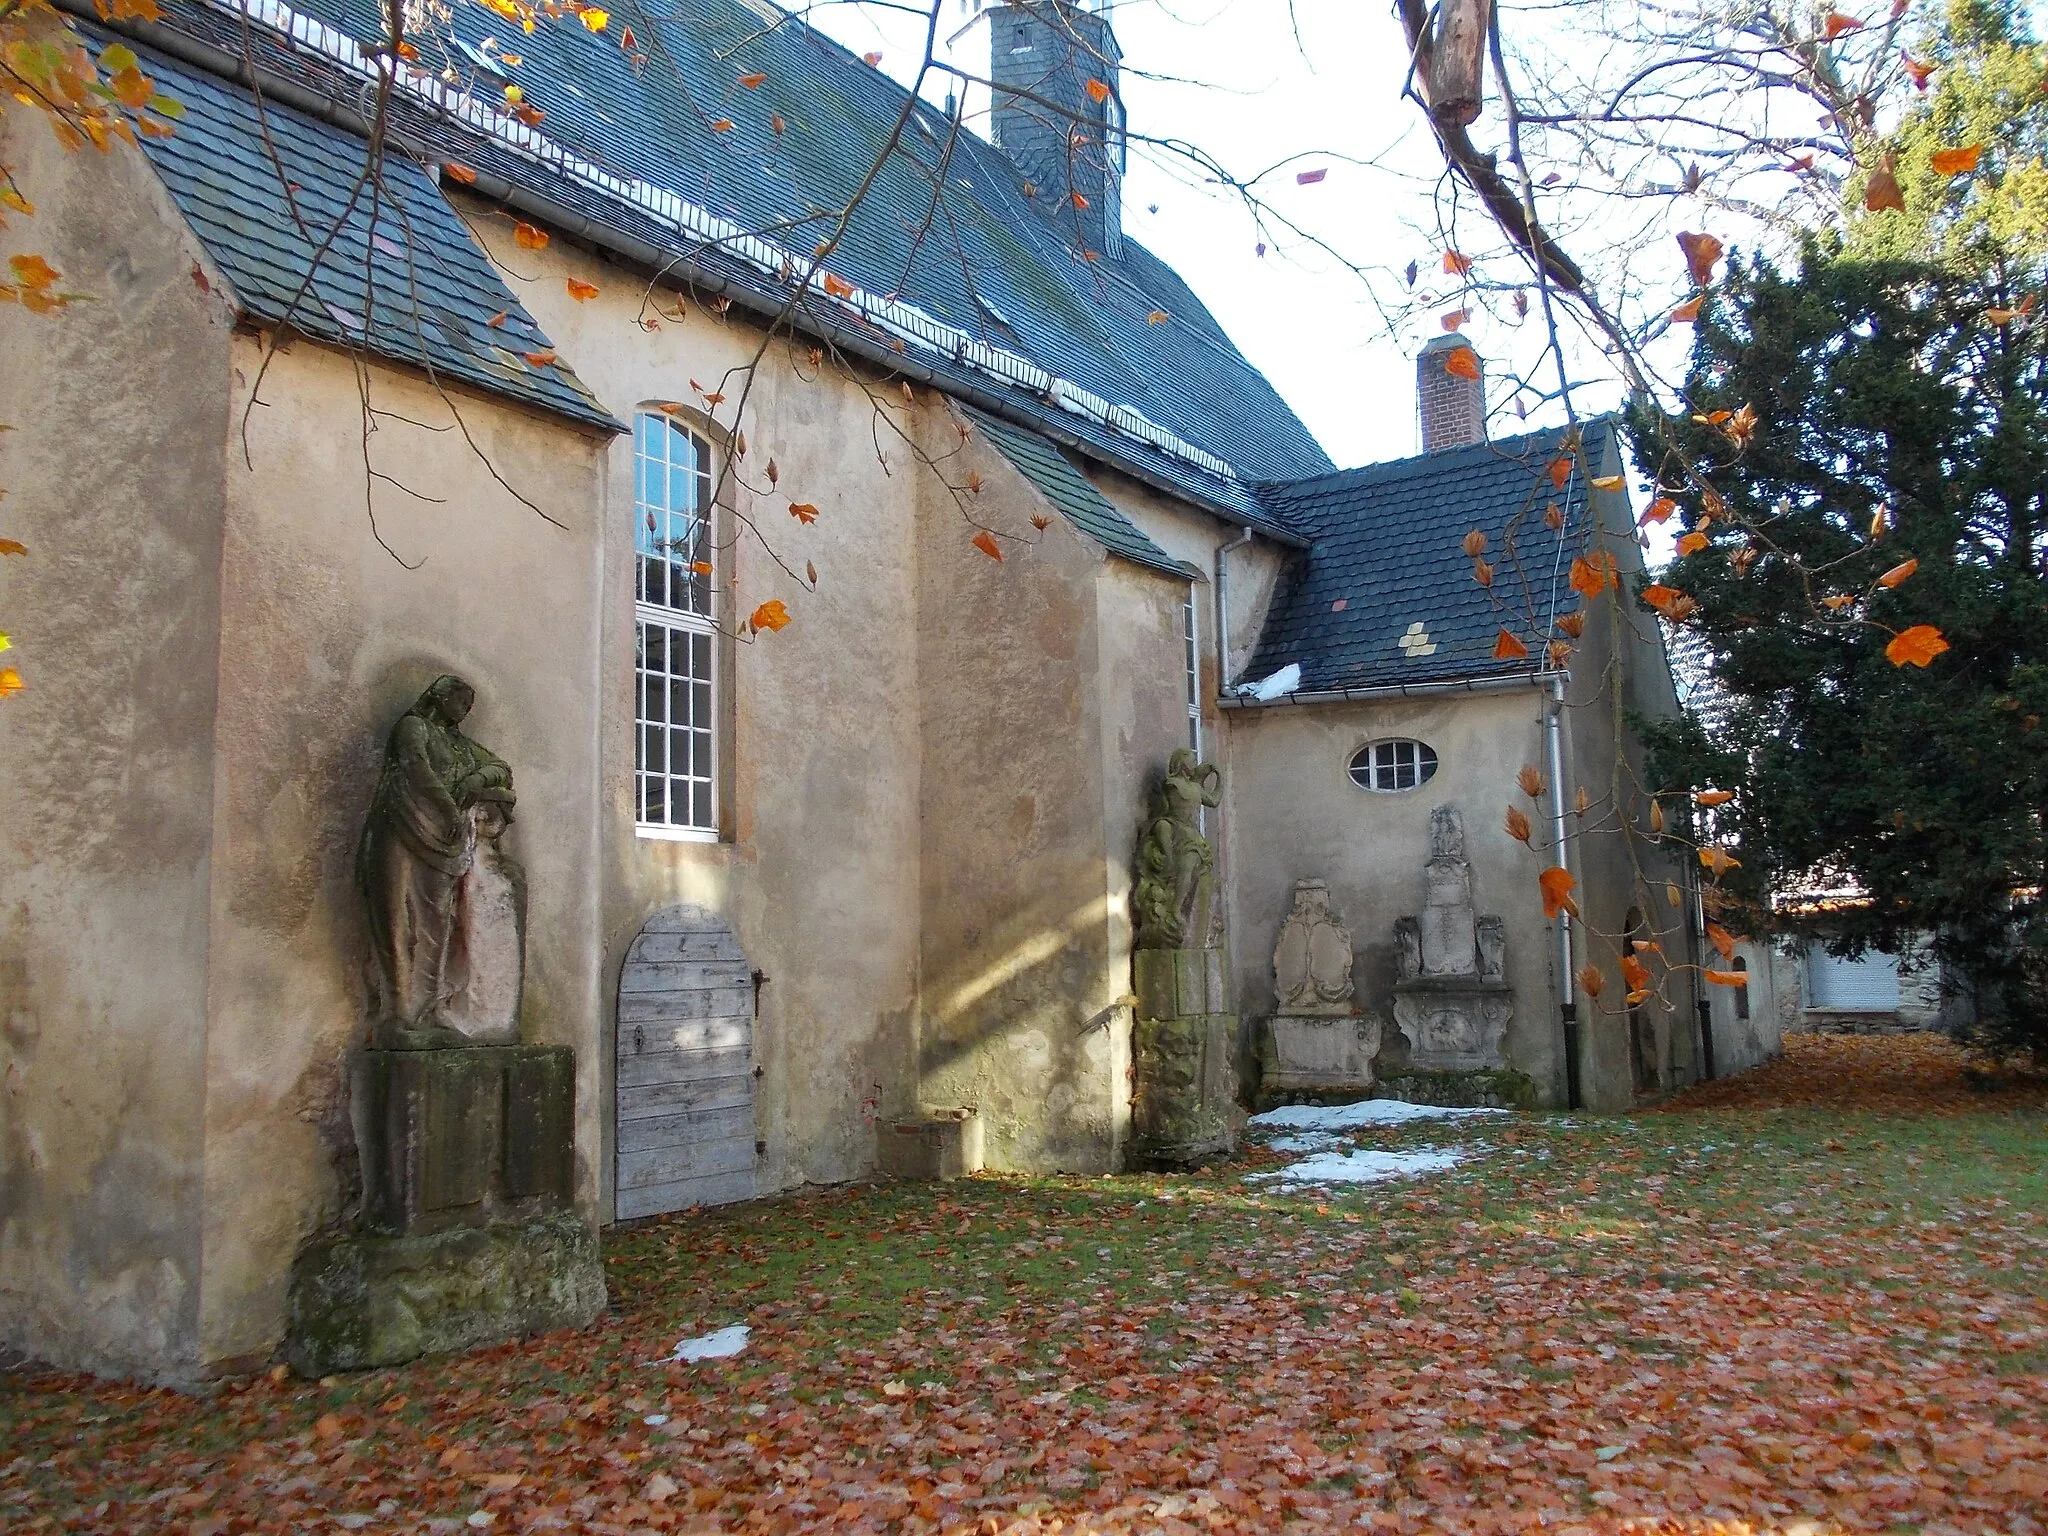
{"points": [[438, 796], [1170, 903], [1312, 961]]}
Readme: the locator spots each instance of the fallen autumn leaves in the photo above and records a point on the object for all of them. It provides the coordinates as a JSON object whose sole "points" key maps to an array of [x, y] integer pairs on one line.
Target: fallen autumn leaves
{"points": [[1769, 1313]]}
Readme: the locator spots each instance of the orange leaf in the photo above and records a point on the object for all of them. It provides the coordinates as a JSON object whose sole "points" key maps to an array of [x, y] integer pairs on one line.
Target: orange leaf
{"points": [[1687, 312], [986, 543], [1453, 262], [455, 170], [540, 359], [838, 286], [526, 237], [1692, 543], [1098, 91], [1834, 24], [1727, 978], [1591, 981], [771, 615], [723, 125], [1157, 317], [752, 82], [12, 547], [1077, 199], [1634, 974], [776, 124], [1701, 252], [1722, 940], [1506, 647], [1455, 318], [1462, 364], [1839, 601], [1898, 573], [498, 319], [1560, 471], [871, 59], [581, 291], [1556, 883], [1956, 162], [701, 567], [10, 682], [1918, 646], [1713, 797], [1660, 510], [1719, 860], [33, 272], [593, 18], [1518, 824], [1608, 482], [803, 512], [1592, 574], [1882, 190], [1917, 72]]}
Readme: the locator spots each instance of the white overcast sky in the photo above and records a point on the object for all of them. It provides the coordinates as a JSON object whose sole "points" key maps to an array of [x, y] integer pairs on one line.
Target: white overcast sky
{"points": [[1258, 95]]}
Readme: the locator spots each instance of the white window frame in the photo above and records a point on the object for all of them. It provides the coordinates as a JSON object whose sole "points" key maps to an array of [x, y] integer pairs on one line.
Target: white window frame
{"points": [[1390, 770], [1191, 647], [670, 532]]}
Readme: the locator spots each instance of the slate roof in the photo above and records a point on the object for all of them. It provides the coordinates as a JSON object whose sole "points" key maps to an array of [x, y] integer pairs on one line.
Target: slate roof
{"points": [[989, 262], [401, 237], [1387, 555], [1040, 461]]}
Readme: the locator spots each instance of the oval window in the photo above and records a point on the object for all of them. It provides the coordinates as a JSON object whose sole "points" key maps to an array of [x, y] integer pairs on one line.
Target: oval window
{"points": [[1391, 765]]}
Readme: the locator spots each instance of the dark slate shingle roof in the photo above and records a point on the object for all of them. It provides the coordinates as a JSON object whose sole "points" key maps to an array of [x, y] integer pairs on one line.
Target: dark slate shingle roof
{"points": [[1387, 547], [401, 237], [1041, 462], [989, 261]]}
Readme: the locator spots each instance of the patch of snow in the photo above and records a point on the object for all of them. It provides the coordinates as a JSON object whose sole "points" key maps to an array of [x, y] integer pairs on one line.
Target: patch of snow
{"points": [[1341, 1117], [712, 1346], [1307, 1141], [1366, 1166]]}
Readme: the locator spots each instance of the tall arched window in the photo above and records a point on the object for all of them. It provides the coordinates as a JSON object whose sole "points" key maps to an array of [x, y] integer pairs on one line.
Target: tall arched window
{"points": [[676, 753]]}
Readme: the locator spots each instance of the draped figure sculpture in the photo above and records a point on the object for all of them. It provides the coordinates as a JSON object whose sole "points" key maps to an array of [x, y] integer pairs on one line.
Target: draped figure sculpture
{"points": [[438, 795], [1171, 900]]}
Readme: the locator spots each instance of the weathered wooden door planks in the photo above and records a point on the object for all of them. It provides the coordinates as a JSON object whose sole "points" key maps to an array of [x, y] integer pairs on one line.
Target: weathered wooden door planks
{"points": [[685, 1087]]}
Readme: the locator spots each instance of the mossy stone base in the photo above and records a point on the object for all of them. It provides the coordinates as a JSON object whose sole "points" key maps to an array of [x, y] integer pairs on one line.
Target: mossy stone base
{"points": [[1488, 1088], [371, 1299], [1183, 1113]]}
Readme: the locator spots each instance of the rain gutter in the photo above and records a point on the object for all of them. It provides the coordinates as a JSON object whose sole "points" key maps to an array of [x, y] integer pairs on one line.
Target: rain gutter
{"points": [[1460, 685]]}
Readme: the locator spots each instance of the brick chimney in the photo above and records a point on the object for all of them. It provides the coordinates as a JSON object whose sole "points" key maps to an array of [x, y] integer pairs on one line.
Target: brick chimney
{"points": [[1062, 139], [1453, 408]]}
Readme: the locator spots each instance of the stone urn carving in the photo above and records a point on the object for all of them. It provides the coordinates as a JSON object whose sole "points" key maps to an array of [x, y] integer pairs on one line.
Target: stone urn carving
{"points": [[1452, 1001], [1316, 1041]]}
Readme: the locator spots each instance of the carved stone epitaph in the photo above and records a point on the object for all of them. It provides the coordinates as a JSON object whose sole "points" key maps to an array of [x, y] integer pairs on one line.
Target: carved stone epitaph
{"points": [[1316, 1041], [1183, 1110], [1451, 1001]]}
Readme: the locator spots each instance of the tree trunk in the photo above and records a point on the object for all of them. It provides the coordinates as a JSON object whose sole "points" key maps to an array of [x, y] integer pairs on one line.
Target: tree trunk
{"points": [[1456, 81]]}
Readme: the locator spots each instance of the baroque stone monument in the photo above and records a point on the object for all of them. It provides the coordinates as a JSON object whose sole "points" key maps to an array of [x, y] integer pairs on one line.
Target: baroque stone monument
{"points": [[1182, 1108], [1317, 1041], [468, 1233], [1452, 1000]]}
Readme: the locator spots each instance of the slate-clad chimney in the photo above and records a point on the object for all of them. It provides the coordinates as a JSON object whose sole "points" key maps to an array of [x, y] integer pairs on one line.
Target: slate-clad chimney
{"points": [[1453, 407], [1064, 141]]}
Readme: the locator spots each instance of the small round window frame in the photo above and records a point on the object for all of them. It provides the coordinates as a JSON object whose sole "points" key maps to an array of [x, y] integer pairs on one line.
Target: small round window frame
{"points": [[1393, 766]]}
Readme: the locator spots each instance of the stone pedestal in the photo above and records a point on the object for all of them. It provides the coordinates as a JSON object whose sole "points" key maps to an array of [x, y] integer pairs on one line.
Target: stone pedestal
{"points": [[469, 1234], [1183, 1107], [1317, 1054], [933, 1144], [1453, 1023]]}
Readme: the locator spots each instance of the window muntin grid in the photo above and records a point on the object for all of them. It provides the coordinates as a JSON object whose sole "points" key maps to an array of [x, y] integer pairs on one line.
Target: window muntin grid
{"points": [[675, 687], [1193, 662], [1388, 766]]}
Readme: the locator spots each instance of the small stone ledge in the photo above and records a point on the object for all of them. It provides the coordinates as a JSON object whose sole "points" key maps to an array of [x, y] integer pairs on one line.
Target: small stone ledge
{"points": [[1486, 1088], [370, 1299]]}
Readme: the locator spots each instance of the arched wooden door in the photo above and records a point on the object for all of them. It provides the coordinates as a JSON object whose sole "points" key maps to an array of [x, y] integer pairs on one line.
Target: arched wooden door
{"points": [[685, 1084]]}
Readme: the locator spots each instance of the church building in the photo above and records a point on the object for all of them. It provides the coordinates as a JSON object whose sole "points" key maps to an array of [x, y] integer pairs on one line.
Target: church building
{"points": [[830, 581]]}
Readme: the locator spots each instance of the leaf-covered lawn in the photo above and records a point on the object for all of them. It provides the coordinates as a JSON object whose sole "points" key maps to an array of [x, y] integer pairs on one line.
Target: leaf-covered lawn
{"points": [[1773, 1309]]}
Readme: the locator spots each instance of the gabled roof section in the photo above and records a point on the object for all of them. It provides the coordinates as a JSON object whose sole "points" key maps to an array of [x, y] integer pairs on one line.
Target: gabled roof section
{"points": [[950, 262], [1040, 461], [1385, 595], [400, 277]]}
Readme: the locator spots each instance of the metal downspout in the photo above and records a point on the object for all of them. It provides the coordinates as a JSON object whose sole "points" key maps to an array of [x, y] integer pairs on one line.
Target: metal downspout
{"points": [[1567, 981], [1223, 609]]}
